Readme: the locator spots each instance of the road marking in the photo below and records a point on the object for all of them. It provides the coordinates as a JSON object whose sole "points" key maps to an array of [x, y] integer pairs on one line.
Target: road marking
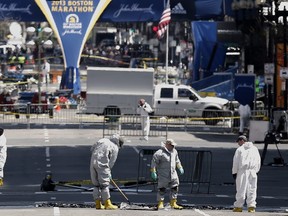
{"points": [[135, 148], [221, 195], [47, 152], [268, 197], [201, 212], [56, 211], [46, 135]]}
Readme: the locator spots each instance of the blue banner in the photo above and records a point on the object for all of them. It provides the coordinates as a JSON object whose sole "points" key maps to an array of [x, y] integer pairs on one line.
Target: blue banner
{"points": [[133, 11], [209, 54], [20, 10], [125, 10], [72, 21], [244, 85]]}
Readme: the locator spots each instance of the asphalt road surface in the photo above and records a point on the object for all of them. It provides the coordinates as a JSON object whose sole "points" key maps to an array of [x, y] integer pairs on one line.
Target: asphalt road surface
{"points": [[66, 153]]}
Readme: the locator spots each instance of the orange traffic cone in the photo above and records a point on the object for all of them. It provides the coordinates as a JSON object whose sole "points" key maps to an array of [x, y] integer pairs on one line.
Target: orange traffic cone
{"points": [[57, 106]]}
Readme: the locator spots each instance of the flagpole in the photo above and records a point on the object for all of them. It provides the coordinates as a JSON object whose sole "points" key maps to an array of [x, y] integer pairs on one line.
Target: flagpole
{"points": [[167, 54], [167, 50]]}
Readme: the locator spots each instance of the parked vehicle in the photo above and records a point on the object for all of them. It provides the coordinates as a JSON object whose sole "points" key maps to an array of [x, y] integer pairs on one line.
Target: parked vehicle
{"points": [[28, 103], [8, 97], [117, 91]]}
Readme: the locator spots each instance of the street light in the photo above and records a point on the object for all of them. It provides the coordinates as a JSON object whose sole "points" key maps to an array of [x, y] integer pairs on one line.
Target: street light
{"points": [[39, 41]]}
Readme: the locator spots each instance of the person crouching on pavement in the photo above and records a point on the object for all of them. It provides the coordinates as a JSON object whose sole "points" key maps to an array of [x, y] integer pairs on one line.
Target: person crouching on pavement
{"points": [[246, 165], [163, 169], [104, 155], [3, 155]]}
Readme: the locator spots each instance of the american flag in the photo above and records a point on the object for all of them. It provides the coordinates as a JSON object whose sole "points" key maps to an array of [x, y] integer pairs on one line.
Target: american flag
{"points": [[164, 22]]}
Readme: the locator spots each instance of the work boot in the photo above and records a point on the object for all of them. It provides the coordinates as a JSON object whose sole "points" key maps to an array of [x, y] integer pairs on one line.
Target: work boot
{"points": [[160, 205], [173, 204], [109, 205], [98, 205], [1, 182], [251, 209], [237, 209]]}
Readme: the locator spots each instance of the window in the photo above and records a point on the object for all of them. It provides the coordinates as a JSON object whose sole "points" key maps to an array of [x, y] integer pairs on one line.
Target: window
{"points": [[183, 93], [166, 93]]}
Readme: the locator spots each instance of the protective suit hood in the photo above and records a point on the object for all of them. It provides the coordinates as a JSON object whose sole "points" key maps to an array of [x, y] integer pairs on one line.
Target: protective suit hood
{"points": [[248, 145], [117, 139]]}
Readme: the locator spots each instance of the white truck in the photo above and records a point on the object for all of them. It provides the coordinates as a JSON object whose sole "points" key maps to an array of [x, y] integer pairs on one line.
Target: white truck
{"points": [[116, 91]]}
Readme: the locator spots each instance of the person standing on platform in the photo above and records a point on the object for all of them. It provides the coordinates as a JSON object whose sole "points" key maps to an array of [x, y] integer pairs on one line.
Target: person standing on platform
{"points": [[46, 72], [144, 109]]}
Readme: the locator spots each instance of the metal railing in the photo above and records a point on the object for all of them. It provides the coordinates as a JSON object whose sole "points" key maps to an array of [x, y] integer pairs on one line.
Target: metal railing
{"points": [[129, 125]]}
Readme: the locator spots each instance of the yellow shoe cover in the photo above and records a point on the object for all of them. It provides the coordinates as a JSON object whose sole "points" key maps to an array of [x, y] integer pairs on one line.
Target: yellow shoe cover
{"points": [[251, 209], [160, 205], [99, 205], [109, 205], [173, 204], [236, 209]]}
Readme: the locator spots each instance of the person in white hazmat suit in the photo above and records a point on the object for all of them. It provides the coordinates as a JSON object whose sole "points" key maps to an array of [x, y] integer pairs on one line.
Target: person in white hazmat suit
{"points": [[3, 155], [144, 109], [245, 114], [163, 169], [246, 165], [104, 155]]}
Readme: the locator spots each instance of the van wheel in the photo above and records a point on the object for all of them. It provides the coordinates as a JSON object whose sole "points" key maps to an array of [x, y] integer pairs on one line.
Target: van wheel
{"points": [[111, 114], [210, 117]]}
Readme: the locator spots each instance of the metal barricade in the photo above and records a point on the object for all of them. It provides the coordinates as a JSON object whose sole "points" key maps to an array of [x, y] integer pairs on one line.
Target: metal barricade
{"points": [[127, 125], [130, 125], [197, 165]]}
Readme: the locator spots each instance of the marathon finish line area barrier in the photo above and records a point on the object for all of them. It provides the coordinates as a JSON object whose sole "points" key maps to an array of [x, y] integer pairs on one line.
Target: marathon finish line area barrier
{"points": [[65, 115], [197, 166]]}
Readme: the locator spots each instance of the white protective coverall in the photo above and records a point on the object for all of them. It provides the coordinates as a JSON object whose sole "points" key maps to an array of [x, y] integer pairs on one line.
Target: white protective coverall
{"points": [[245, 114], [144, 111], [104, 155], [3, 152], [246, 164], [165, 163]]}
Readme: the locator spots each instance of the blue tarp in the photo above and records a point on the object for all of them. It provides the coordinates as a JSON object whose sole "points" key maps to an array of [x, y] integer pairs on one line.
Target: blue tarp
{"points": [[71, 80], [209, 54], [223, 90], [212, 80], [244, 85], [126, 10]]}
